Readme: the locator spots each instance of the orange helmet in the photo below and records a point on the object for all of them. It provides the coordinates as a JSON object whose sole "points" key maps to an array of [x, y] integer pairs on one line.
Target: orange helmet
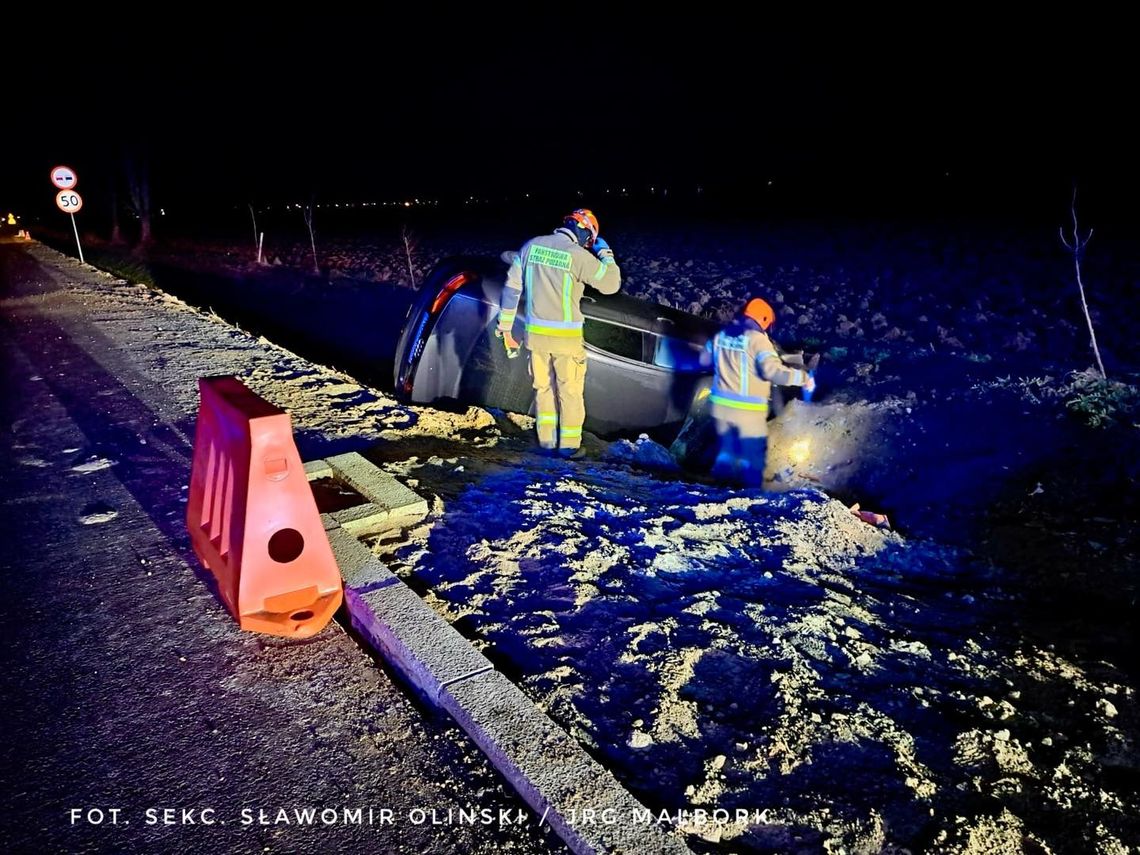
{"points": [[583, 218], [761, 312]]}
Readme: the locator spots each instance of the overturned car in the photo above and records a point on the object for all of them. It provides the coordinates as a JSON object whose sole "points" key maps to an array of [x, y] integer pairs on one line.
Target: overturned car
{"points": [[647, 364]]}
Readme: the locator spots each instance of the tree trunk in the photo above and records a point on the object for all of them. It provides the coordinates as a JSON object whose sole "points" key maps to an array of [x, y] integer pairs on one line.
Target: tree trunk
{"points": [[137, 168], [116, 228]]}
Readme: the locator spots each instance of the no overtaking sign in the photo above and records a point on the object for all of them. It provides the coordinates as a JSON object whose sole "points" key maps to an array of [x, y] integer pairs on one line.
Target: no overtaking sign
{"points": [[64, 177]]}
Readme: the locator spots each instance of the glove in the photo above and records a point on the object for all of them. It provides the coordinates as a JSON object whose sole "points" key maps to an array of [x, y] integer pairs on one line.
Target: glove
{"points": [[601, 248], [509, 343]]}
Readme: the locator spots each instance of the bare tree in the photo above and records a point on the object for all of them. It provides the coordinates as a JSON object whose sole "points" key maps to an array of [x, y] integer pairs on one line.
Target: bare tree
{"points": [[409, 247], [308, 213], [1077, 247], [253, 216]]}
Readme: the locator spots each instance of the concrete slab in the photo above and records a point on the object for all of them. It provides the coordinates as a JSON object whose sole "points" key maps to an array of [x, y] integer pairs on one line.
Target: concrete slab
{"points": [[377, 486], [364, 519], [317, 469], [390, 504], [583, 802]]}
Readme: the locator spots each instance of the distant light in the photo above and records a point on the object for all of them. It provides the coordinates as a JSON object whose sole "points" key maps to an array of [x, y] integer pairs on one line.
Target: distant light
{"points": [[800, 450], [407, 204], [162, 212]]}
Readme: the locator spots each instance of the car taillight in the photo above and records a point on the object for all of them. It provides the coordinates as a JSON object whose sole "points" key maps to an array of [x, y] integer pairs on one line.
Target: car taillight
{"points": [[447, 291]]}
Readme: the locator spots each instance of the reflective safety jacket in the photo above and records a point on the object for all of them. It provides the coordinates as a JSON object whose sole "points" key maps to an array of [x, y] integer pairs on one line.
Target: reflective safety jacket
{"points": [[552, 272], [746, 365]]}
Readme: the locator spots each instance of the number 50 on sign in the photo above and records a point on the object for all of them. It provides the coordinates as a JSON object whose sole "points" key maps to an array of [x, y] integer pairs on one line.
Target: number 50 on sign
{"points": [[68, 201]]}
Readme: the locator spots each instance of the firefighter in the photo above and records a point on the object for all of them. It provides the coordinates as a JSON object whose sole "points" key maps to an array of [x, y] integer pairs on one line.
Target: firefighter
{"points": [[746, 365], [552, 271]]}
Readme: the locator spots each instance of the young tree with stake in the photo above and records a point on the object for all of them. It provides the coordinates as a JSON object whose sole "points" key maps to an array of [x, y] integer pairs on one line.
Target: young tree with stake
{"points": [[1077, 247]]}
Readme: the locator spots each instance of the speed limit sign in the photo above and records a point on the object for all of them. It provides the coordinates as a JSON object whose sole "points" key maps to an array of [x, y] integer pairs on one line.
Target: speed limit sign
{"points": [[68, 201]]}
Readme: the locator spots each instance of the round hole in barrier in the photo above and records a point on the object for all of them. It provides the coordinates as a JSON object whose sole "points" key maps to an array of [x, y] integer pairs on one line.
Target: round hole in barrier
{"points": [[305, 615], [285, 545]]}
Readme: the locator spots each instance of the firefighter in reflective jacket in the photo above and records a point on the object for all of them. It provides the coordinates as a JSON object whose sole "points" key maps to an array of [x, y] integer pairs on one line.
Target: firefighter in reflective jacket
{"points": [[746, 365], [550, 274]]}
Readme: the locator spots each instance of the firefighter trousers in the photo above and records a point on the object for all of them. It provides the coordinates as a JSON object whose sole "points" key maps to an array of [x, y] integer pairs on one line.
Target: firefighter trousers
{"points": [[559, 397], [742, 445]]}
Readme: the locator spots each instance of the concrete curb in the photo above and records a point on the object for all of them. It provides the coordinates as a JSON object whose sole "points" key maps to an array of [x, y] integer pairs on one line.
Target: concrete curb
{"points": [[551, 771]]}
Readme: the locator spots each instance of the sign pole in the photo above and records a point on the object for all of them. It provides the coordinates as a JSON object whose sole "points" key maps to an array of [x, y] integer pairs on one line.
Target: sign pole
{"points": [[78, 245]]}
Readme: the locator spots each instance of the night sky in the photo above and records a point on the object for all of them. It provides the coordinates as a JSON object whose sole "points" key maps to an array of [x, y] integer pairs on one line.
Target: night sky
{"points": [[446, 105]]}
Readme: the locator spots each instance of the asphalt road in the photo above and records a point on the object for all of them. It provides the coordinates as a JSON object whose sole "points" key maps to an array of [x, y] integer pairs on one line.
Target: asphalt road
{"points": [[139, 718]]}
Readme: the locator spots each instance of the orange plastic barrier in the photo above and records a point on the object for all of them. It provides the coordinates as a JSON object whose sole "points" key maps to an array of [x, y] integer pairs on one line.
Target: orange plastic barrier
{"points": [[252, 517]]}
